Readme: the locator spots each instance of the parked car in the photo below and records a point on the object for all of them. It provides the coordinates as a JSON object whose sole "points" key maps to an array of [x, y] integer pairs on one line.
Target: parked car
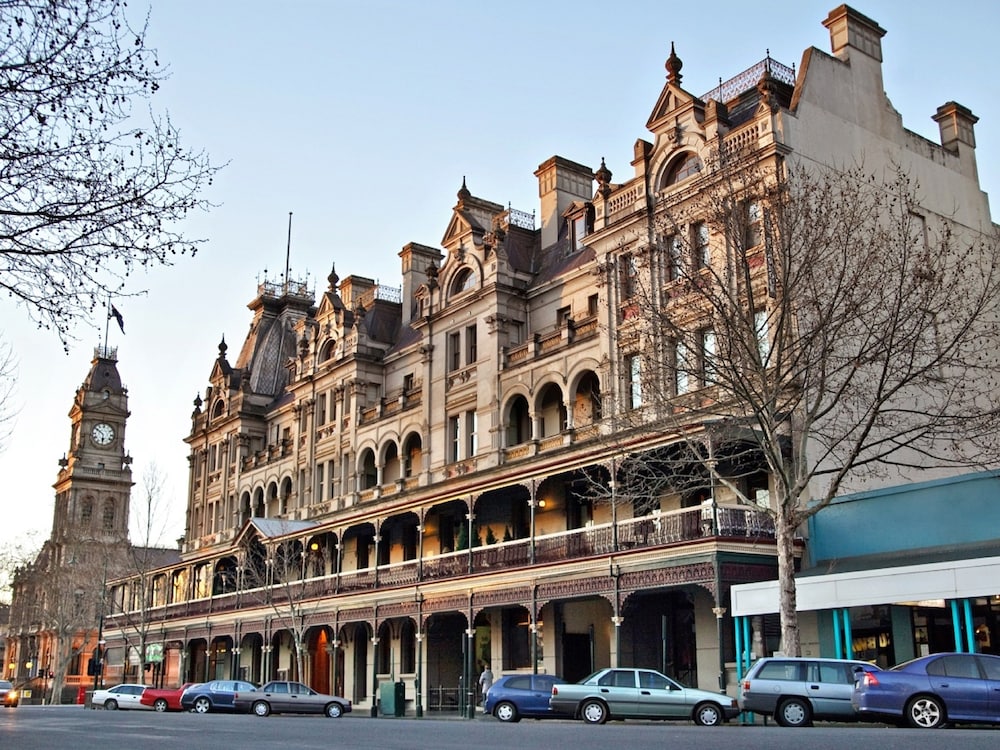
{"points": [[639, 694], [283, 697], [797, 690], [8, 694], [122, 696], [217, 695], [164, 699], [522, 696], [930, 691]]}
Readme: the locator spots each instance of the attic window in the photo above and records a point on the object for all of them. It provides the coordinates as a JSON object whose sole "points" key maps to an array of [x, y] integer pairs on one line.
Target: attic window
{"points": [[682, 168], [464, 281], [219, 410]]}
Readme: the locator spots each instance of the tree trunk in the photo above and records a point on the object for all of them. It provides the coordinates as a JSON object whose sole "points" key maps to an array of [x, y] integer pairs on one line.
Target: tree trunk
{"points": [[785, 538]]}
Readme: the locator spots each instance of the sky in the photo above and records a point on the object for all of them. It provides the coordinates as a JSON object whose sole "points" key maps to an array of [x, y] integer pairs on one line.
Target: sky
{"points": [[361, 118]]}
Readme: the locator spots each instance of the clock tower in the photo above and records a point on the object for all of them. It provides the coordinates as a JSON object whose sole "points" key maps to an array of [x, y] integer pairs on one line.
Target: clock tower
{"points": [[95, 476]]}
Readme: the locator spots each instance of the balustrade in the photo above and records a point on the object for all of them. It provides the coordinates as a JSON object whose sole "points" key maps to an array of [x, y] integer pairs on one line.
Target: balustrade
{"points": [[633, 535]]}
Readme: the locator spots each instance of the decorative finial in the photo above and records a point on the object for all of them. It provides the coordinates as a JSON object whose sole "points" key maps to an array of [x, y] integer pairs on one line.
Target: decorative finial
{"points": [[674, 66], [603, 177], [223, 347], [463, 192], [333, 278]]}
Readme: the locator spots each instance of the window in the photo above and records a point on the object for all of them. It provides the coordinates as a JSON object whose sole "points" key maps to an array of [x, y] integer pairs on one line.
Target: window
{"points": [[454, 438], [408, 382], [699, 238], [681, 368], [675, 257], [682, 168], [464, 281], [321, 410], [633, 372], [86, 511], [515, 332], [320, 481], [109, 516], [579, 231], [471, 437], [562, 317], [708, 356], [592, 305], [454, 351], [763, 339], [752, 216], [470, 345], [627, 276]]}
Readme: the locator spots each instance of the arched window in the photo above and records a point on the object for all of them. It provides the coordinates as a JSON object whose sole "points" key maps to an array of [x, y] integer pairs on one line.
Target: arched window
{"points": [[682, 168], [219, 409], [464, 281], [109, 515]]}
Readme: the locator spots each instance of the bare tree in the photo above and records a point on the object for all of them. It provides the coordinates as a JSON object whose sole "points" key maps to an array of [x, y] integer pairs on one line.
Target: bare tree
{"points": [[8, 383], [88, 192], [142, 558], [818, 325], [55, 607], [274, 575], [14, 556]]}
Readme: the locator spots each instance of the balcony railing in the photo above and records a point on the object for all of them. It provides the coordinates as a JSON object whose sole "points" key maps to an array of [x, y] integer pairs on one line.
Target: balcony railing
{"points": [[658, 530]]}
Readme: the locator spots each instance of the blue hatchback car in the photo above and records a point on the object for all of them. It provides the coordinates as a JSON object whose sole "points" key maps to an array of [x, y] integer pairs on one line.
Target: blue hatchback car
{"points": [[216, 695], [522, 696], [933, 690]]}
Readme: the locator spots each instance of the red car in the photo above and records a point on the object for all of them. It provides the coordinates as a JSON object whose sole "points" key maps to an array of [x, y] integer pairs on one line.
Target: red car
{"points": [[165, 699]]}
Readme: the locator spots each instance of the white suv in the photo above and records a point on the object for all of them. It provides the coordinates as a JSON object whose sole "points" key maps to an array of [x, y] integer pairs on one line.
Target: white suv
{"points": [[797, 690]]}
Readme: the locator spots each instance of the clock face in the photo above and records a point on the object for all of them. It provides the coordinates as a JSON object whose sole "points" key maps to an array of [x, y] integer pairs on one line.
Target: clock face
{"points": [[103, 433]]}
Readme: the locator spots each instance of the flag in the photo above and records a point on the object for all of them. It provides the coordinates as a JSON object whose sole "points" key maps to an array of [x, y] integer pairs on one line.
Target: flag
{"points": [[118, 317]]}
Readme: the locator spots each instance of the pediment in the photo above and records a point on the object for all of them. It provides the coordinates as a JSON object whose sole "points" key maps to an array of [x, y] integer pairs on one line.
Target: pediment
{"points": [[673, 103]]}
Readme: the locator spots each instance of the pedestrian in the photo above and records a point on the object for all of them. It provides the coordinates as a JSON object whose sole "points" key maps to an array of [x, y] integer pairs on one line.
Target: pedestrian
{"points": [[485, 680]]}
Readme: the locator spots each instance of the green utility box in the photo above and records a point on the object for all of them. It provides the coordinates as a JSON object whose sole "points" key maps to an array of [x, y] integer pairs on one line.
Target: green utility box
{"points": [[392, 696]]}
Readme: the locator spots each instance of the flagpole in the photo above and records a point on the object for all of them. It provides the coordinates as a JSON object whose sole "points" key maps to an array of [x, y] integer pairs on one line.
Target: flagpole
{"points": [[107, 322]]}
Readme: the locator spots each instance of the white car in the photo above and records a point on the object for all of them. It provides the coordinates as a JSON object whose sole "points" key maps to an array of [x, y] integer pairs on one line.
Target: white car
{"points": [[120, 696]]}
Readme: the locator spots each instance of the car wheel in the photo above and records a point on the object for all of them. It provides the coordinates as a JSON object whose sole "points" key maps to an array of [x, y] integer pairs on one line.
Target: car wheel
{"points": [[708, 715], [794, 712], [202, 705], [594, 712], [925, 712], [261, 708], [334, 711], [506, 711], [160, 704], [111, 705]]}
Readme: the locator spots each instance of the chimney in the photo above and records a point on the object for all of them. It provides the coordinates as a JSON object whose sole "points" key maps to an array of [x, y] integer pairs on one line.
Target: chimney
{"points": [[956, 123], [415, 259], [851, 30], [560, 182], [353, 288]]}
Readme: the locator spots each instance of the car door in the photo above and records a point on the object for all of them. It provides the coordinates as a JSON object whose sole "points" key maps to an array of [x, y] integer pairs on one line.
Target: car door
{"points": [[956, 678], [617, 687], [659, 697], [277, 696], [991, 668], [536, 699], [830, 686], [303, 699]]}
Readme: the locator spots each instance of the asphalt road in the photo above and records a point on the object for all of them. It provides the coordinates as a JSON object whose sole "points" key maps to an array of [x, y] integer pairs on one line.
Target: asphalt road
{"points": [[50, 727]]}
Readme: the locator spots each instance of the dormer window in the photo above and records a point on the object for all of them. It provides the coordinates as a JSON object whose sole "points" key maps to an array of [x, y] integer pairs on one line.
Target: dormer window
{"points": [[683, 167]]}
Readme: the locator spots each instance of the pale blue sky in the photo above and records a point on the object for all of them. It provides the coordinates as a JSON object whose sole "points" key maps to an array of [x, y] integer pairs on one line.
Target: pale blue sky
{"points": [[362, 117]]}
